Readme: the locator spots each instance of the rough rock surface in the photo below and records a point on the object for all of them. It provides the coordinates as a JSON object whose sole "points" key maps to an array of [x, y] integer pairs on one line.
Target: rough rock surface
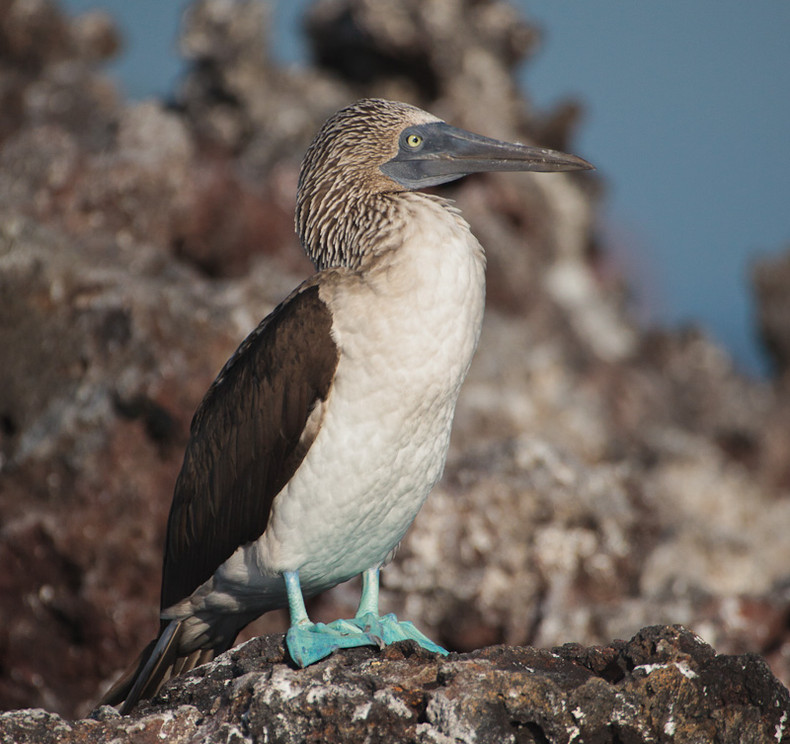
{"points": [[664, 685], [602, 477]]}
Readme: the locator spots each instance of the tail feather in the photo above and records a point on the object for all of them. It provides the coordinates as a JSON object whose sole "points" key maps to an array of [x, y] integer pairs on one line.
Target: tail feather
{"points": [[156, 668], [195, 659], [120, 690], [171, 653], [159, 661]]}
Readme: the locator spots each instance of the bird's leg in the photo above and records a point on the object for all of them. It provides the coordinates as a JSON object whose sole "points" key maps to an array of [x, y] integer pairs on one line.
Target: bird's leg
{"points": [[308, 642], [387, 629], [296, 608], [369, 601]]}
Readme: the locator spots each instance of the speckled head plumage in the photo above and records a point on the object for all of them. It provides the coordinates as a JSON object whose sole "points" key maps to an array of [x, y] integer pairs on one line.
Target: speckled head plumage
{"points": [[374, 149], [341, 175]]}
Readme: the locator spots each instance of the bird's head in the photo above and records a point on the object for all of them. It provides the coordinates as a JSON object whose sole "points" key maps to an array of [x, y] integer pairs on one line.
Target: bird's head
{"points": [[375, 146]]}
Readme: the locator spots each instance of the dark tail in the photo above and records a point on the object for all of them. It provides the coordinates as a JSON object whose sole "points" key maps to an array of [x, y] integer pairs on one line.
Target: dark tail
{"points": [[158, 662]]}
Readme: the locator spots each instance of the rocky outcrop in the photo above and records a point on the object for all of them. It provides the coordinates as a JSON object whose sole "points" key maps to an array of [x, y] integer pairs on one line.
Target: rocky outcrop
{"points": [[664, 685], [602, 477], [771, 279]]}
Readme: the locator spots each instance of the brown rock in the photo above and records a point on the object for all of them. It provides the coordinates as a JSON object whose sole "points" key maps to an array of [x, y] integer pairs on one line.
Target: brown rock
{"points": [[663, 685]]}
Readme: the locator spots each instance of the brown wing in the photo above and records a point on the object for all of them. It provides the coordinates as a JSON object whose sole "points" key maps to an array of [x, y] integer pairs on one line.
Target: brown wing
{"points": [[245, 440]]}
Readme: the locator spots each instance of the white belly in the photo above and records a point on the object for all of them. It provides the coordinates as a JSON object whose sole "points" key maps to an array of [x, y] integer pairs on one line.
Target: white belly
{"points": [[406, 331]]}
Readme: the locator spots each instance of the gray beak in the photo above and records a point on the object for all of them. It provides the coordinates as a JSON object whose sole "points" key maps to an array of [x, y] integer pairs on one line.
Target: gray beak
{"points": [[434, 153]]}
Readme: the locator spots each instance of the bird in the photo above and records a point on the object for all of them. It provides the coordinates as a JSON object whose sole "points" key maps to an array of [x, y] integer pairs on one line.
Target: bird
{"points": [[318, 442]]}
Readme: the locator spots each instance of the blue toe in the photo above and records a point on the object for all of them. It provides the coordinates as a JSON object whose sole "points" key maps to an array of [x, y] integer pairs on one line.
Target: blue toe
{"points": [[390, 630], [308, 643]]}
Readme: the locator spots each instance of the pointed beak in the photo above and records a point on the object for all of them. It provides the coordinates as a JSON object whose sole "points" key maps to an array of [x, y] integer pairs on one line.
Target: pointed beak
{"points": [[434, 153]]}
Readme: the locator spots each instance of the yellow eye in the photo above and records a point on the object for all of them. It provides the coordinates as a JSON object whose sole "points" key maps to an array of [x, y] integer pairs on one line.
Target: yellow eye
{"points": [[414, 141]]}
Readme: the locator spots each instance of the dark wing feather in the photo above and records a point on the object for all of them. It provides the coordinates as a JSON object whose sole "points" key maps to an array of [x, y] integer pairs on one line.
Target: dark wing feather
{"points": [[245, 440]]}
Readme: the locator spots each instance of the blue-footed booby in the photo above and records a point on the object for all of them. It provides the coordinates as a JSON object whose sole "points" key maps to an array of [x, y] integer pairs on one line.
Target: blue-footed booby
{"points": [[317, 444]]}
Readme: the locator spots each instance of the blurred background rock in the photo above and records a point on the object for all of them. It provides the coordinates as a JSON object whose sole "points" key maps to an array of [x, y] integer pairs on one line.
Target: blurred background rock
{"points": [[604, 475]]}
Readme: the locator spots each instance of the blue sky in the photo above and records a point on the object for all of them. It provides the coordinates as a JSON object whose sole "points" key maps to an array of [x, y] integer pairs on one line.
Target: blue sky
{"points": [[687, 117]]}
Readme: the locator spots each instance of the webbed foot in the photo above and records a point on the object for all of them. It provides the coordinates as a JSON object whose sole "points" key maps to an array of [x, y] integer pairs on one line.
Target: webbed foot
{"points": [[310, 642], [391, 630]]}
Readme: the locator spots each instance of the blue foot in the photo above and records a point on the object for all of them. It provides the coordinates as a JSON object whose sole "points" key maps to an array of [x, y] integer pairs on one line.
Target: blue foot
{"points": [[310, 642], [390, 630]]}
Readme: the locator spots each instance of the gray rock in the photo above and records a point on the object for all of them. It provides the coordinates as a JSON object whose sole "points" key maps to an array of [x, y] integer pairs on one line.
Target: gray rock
{"points": [[663, 685]]}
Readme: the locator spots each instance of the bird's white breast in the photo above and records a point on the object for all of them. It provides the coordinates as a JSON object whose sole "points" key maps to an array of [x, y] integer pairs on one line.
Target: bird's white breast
{"points": [[406, 329]]}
